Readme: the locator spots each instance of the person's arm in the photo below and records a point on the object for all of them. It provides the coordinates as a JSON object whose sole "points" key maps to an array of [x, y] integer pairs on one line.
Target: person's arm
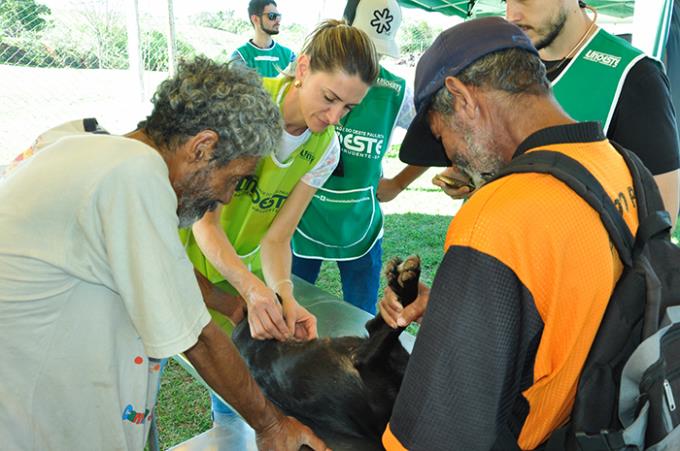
{"points": [[669, 186], [469, 364], [220, 365], [229, 305], [275, 249], [277, 259], [389, 188], [264, 311], [644, 122], [237, 58]]}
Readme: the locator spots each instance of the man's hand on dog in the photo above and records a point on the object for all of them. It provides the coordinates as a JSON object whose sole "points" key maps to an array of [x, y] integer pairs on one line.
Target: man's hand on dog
{"points": [[397, 316], [288, 434]]}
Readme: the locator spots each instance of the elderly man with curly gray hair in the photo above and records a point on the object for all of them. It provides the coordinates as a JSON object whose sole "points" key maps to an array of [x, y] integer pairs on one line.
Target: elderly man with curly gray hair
{"points": [[95, 285]]}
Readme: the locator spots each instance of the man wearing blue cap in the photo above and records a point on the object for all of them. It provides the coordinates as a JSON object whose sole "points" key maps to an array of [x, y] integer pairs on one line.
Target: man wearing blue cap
{"points": [[528, 268], [596, 76]]}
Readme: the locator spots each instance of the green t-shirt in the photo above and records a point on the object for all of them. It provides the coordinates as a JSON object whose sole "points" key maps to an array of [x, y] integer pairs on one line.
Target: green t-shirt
{"points": [[267, 62]]}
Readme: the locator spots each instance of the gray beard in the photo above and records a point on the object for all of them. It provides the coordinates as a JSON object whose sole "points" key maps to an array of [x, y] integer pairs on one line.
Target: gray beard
{"points": [[192, 211], [193, 203]]}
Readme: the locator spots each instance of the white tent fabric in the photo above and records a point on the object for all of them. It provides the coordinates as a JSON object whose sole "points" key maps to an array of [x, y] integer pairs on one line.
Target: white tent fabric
{"points": [[651, 25]]}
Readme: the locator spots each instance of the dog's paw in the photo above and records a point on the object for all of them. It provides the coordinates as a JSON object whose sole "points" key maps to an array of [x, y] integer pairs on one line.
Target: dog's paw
{"points": [[392, 272], [402, 278]]}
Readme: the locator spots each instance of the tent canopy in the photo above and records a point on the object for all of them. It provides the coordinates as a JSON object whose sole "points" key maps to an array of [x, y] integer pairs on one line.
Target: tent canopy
{"points": [[479, 8]]}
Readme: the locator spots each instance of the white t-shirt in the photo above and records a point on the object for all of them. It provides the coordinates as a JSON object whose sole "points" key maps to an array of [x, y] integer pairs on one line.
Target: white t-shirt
{"points": [[407, 112], [94, 283], [323, 169]]}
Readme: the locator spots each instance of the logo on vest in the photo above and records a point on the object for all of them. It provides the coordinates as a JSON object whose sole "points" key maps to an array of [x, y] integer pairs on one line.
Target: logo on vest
{"points": [[260, 200], [369, 145], [388, 84], [307, 156], [602, 58]]}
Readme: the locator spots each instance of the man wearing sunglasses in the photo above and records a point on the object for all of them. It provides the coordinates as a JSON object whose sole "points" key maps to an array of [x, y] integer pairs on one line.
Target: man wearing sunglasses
{"points": [[261, 52]]}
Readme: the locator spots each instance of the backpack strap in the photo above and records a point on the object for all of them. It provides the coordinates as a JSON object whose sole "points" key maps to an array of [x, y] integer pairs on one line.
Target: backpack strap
{"points": [[652, 215], [579, 179]]}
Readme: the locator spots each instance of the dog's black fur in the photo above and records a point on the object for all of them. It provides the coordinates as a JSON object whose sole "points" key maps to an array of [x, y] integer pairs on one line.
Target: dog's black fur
{"points": [[344, 385]]}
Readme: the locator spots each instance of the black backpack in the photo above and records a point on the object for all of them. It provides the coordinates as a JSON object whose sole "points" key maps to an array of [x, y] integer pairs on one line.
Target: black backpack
{"points": [[630, 384]]}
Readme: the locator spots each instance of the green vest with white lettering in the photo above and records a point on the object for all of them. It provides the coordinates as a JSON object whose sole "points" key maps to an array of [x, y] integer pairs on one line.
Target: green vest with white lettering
{"points": [[588, 89], [344, 219], [267, 62], [258, 198]]}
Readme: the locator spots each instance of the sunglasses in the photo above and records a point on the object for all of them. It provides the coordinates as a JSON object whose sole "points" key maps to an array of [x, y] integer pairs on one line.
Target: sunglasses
{"points": [[272, 16]]}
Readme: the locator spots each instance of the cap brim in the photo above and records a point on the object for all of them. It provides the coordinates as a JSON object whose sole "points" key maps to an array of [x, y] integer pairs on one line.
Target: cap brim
{"points": [[420, 147], [387, 47]]}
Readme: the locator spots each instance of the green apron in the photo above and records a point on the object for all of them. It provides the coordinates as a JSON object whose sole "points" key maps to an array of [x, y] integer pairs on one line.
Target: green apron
{"points": [[267, 62], [257, 200], [344, 219], [588, 89]]}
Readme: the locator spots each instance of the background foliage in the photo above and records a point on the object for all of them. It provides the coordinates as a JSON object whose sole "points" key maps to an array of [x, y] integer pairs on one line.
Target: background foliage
{"points": [[95, 36]]}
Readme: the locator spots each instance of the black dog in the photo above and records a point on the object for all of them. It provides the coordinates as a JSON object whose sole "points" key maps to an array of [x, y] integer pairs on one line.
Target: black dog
{"points": [[337, 386]]}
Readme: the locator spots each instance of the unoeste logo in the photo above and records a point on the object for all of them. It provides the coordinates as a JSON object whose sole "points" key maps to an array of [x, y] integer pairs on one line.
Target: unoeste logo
{"points": [[602, 58]]}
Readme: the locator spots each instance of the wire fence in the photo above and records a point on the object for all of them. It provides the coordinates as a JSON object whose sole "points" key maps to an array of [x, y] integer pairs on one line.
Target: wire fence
{"points": [[73, 59]]}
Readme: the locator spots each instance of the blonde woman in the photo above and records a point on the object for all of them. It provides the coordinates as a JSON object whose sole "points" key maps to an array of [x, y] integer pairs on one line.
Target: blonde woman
{"points": [[244, 247]]}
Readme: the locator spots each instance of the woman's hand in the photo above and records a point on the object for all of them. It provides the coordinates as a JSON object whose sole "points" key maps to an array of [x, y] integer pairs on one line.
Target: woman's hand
{"points": [[299, 320], [265, 313]]}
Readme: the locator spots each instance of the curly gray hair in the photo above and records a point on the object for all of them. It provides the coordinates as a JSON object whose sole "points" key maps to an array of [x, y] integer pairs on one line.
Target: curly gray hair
{"points": [[226, 98]]}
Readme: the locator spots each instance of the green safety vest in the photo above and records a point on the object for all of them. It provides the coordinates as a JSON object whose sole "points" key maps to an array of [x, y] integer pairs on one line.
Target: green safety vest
{"points": [[267, 62], [257, 200], [344, 219], [588, 89]]}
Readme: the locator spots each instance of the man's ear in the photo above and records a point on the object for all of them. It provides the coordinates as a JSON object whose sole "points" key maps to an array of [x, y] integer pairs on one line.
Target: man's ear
{"points": [[201, 146], [465, 101]]}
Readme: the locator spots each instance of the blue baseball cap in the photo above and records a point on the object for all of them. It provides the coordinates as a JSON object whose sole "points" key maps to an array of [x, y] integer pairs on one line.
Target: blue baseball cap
{"points": [[453, 50]]}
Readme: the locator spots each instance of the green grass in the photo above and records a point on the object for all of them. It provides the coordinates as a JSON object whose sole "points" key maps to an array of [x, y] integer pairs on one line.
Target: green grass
{"points": [[183, 409], [393, 151]]}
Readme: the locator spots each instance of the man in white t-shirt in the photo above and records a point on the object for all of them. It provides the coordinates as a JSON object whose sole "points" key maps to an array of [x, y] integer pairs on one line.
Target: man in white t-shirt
{"points": [[95, 285]]}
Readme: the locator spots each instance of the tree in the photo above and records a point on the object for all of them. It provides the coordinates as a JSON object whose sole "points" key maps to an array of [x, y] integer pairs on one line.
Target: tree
{"points": [[155, 50], [416, 37], [17, 16], [223, 20], [105, 24]]}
